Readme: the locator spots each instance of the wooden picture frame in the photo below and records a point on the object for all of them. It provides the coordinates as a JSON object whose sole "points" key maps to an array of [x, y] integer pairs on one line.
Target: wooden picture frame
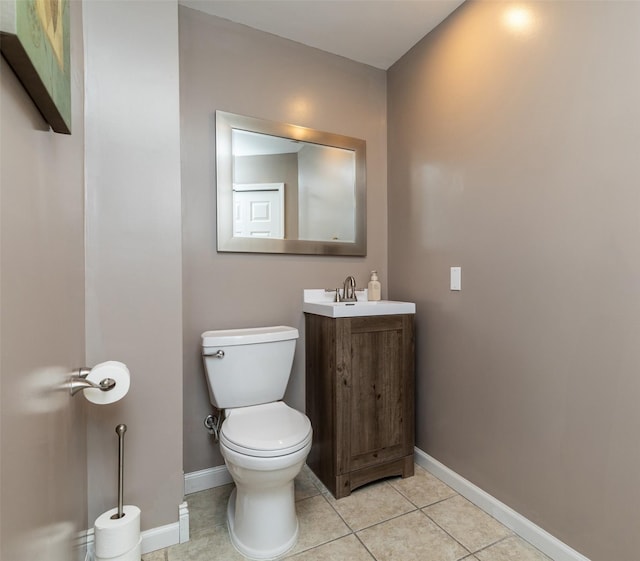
{"points": [[34, 39]]}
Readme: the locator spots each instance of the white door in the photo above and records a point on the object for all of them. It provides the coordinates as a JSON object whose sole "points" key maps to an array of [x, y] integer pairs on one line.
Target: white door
{"points": [[258, 210]]}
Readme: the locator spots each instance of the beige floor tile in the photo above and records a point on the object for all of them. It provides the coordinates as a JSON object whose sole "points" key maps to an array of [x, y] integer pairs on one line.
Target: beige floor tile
{"points": [[422, 489], [511, 549], [214, 547], [472, 527], [370, 505], [412, 537], [305, 484], [348, 548], [316, 480], [207, 509], [319, 523], [155, 556]]}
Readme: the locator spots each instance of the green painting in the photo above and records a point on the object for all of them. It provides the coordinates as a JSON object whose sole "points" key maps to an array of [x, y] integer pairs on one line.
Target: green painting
{"points": [[34, 38]]}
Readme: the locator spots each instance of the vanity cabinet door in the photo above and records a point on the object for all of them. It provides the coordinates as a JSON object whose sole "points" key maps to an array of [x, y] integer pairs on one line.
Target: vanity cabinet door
{"points": [[380, 400], [360, 398]]}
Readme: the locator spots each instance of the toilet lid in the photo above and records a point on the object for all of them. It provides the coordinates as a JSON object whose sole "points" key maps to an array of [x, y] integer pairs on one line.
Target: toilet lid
{"points": [[270, 429]]}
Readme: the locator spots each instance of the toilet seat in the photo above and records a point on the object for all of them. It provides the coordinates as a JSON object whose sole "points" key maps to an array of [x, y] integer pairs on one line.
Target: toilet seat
{"points": [[267, 430]]}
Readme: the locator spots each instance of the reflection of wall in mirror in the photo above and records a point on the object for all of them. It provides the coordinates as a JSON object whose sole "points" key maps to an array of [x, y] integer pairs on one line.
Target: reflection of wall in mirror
{"points": [[273, 168], [326, 196]]}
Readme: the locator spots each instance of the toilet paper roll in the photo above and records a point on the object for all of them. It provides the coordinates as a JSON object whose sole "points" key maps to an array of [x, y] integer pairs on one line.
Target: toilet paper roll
{"points": [[131, 555], [117, 537], [115, 370]]}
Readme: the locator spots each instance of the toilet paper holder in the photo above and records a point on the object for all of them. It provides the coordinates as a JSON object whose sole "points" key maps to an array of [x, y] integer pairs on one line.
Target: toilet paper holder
{"points": [[78, 381]]}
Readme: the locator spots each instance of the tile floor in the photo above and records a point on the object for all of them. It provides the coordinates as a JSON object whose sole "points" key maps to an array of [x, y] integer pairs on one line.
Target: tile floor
{"points": [[413, 519]]}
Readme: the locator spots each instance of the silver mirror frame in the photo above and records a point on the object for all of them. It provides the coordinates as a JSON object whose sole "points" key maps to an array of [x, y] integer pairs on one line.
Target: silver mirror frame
{"points": [[225, 123]]}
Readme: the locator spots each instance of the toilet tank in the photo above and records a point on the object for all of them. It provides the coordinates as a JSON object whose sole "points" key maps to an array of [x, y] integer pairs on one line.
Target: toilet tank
{"points": [[248, 366]]}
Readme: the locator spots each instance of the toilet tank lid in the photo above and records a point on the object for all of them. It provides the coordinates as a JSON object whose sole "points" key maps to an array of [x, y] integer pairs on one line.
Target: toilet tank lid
{"points": [[248, 336]]}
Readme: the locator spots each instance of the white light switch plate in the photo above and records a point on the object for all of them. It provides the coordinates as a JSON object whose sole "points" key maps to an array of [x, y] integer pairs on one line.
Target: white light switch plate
{"points": [[456, 278]]}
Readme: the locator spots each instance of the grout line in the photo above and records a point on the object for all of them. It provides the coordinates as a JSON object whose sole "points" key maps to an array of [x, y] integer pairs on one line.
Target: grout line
{"points": [[364, 545], [328, 541], [387, 520], [492, 544], [511, 533], [339, 515], [447, 532], [293, 555], [415, 507], [517, 537]]}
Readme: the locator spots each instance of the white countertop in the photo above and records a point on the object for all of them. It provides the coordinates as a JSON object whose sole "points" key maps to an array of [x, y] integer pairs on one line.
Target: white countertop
{"points": [[318, 301]]}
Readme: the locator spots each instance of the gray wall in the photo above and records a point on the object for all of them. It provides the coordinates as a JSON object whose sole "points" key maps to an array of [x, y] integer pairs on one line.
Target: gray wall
{"points": [[234, 68], [515, 156], [43, 485], [133, 251]]}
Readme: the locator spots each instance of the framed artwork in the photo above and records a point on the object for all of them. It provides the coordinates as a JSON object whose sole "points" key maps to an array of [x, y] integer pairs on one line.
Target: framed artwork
{"points": [[34, 39]]}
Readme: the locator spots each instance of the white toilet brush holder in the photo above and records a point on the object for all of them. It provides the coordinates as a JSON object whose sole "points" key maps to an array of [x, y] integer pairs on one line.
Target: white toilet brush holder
{"points": [[117, 531]]}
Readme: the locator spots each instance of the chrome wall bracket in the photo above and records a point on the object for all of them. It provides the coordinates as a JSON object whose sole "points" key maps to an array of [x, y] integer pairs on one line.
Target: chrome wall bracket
{"points": [[78, 381]]}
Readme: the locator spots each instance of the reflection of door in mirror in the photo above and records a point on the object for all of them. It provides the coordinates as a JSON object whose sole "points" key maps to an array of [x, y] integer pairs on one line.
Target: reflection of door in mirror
{"points": [[259, 158], [258, 210]]}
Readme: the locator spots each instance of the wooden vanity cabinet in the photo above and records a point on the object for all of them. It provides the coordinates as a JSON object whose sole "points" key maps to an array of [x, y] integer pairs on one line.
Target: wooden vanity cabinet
{"points": [[360, 398]]}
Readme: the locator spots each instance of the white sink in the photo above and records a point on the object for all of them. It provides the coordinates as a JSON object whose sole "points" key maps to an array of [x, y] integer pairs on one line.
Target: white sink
{"points": [[318, 301]]}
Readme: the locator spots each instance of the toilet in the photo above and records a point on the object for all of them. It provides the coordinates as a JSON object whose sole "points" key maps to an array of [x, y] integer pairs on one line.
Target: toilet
{"points": [[264, 442]]}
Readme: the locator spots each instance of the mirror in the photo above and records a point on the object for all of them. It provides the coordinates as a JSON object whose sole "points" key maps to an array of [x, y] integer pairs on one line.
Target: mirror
{"points": [[287, 189]]}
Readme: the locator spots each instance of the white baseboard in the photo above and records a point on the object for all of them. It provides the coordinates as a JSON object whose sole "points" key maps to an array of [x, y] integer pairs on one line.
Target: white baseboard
{"points": [[527, 530], [183, 513], [206, 479], [160, 537], [83, 545]]}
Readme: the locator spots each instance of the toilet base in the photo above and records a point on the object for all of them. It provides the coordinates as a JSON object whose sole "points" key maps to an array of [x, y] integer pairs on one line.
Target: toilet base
{"points": [[249, 552]]}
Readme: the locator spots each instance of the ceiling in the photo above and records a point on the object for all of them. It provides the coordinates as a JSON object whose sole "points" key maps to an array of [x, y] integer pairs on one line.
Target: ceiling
{"points": [[374, 32]]}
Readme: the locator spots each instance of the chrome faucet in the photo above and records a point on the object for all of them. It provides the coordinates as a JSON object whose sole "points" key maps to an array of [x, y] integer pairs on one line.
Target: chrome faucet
{"points": [[349, 290]]}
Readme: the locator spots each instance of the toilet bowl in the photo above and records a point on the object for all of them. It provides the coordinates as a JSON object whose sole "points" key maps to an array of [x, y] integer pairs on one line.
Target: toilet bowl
{"points": [[264, 442], [264, 448]]}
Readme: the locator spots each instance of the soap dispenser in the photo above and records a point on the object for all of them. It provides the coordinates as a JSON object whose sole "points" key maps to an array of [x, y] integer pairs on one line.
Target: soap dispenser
{"points": [[373, 289]]}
